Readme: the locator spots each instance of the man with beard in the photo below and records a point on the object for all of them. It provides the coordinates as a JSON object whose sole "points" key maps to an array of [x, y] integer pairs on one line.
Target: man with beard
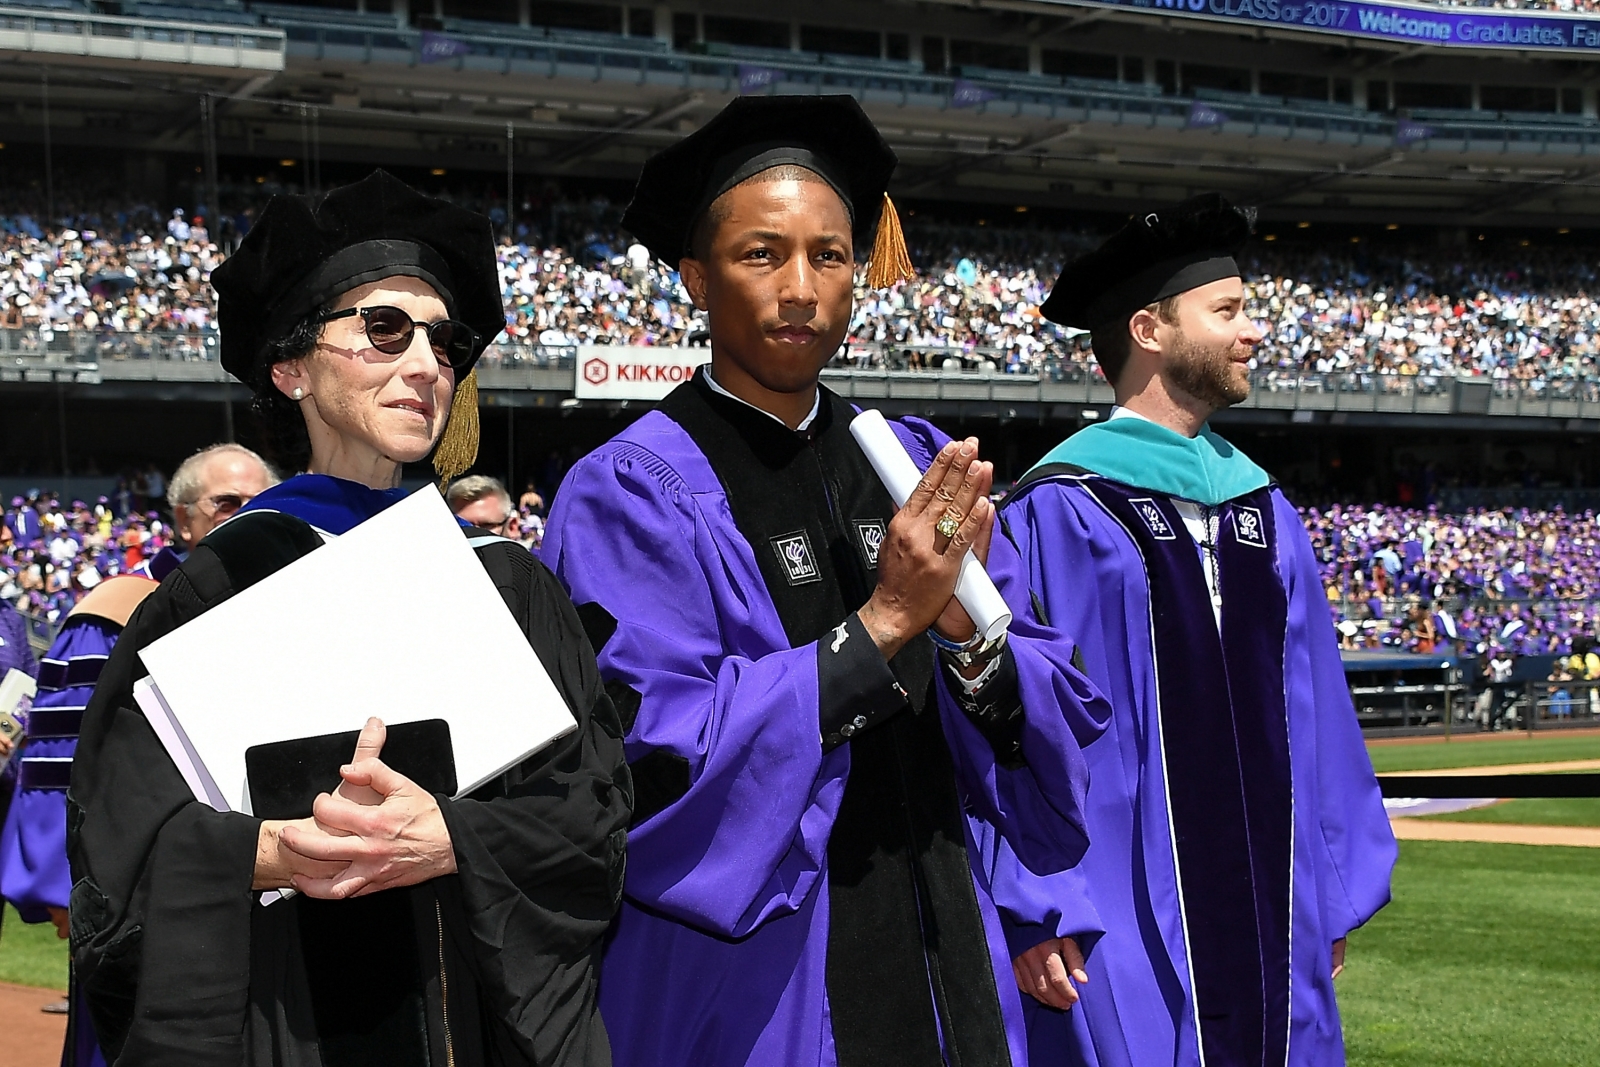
{"points": [[828, 757], [1236, 833]]}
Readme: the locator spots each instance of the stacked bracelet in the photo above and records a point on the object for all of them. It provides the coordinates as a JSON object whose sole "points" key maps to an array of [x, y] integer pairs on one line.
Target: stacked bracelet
{"points": [[975, 651]]}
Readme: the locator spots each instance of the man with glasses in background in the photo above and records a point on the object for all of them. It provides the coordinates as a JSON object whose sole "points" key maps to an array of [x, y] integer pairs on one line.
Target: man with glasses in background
{"points": [[209, 487], [484, 502], [205, 491]]}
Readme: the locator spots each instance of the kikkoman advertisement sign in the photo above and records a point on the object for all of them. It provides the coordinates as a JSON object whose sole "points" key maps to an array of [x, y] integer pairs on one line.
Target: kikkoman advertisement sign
{"points": [[1411, 24], [621, 372]]}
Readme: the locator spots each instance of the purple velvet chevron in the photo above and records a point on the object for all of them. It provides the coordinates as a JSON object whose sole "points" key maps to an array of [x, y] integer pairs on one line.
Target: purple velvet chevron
{"points": [[1225, 751]]}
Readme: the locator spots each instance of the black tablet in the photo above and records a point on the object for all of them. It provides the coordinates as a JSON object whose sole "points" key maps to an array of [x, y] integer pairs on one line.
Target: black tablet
{"points": [[285, 777]]}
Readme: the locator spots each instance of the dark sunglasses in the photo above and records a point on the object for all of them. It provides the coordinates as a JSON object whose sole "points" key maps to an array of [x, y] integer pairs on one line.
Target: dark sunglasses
{"points": [[222, 504], [390, 330]]}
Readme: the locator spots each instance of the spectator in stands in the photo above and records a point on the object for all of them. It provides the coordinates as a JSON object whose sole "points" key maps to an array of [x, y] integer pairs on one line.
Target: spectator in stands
{"points": [[1559, 699], [208, 488], [484, 502], [530, 500]]}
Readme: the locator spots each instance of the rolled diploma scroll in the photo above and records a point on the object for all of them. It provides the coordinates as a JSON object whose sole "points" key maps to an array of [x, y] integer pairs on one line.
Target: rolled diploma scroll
{"points": [[974, 588]]}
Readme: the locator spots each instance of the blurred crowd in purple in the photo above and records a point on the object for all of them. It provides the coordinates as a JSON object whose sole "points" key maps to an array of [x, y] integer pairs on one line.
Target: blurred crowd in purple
{"points": [[1417, 579], [1476, 583], [54, 550]]}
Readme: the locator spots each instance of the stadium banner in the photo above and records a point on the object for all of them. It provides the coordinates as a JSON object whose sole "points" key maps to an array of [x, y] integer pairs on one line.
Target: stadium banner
{"points": [[1412, 24], [626, 372]]}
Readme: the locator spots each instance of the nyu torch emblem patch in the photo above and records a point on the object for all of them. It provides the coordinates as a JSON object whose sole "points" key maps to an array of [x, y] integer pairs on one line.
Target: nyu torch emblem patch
{"points": [[1160, 528], [871, 533], [1247, 527], [794, 552]]}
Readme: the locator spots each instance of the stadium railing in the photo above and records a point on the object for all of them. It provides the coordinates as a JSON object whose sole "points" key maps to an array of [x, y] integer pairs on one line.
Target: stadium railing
{"points": [[203, 36], [864, 371]]}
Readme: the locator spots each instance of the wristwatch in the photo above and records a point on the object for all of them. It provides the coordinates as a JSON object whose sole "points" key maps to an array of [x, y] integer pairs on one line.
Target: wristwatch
{"points": [[976, 651]]}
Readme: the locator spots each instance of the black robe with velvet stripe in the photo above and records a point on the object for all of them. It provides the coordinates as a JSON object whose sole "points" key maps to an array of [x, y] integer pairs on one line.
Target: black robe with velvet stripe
{"points": [[492, 965]]}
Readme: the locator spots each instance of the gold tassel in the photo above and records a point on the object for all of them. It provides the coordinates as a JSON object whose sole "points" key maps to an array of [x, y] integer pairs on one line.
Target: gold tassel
{"points": [[458, 446], [890, 261]]}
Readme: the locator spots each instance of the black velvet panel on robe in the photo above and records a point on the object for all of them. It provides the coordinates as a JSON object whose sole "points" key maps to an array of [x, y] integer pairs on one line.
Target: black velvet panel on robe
{"points": [[904, 916], [1225, 749], [492, 965]]}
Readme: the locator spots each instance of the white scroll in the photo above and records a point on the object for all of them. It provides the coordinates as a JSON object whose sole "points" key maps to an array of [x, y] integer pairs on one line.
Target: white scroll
{"points": [[974, 588]]}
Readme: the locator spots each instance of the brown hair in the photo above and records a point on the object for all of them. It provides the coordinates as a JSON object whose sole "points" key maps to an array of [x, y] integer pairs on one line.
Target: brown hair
{"points": [[1112, 343]]}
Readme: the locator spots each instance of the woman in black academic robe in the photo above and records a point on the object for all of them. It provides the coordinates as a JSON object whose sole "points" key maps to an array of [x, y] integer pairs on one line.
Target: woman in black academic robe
{"points": [[443, 932]]}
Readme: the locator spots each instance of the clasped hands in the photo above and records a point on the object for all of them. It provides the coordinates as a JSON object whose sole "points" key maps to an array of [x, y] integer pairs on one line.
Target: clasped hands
{"points": [[378, 830], [947, 515]]}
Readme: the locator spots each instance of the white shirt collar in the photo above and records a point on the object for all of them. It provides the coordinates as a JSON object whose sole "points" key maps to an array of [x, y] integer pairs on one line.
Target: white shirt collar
{"points": [[816, 404], [1120, 412]]}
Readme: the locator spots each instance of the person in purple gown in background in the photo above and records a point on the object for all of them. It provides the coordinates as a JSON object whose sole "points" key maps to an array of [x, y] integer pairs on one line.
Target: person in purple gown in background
{"points": [[208, 487], [15, 654], [1236, 832], [831, 764]]}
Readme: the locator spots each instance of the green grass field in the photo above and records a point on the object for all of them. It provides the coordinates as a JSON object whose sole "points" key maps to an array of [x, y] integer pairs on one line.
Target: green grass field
{"points": [[1548, 747], [1489, 955], [1486, 958], [31, 955]]}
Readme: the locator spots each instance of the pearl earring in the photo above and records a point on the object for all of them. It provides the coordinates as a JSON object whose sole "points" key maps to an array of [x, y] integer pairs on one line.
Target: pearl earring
{"points": [[299, 393]]}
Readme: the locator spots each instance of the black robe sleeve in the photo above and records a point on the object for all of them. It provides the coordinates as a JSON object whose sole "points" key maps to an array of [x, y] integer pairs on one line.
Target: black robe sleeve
{"points": [[541, 866], [162, 914]]}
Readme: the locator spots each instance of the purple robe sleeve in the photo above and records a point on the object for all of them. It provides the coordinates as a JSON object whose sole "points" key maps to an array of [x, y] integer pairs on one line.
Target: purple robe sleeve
{"points": [[14, 648], [726, 710], [1357, 847], [1038, 806], [33, 844]]}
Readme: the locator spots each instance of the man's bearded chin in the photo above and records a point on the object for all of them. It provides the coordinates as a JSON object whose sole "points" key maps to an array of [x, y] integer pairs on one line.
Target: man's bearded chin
{"points": [[1205, 373]]}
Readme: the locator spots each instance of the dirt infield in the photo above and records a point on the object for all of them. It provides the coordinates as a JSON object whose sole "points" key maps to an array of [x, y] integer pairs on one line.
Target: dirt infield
{"points": [[1469, 738], [1495, 833], [1559, 767], [32, 1038]]}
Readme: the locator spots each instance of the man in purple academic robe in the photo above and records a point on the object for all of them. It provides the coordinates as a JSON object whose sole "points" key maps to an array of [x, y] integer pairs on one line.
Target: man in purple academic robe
{"points": [[1236, 830], [823, 797]]}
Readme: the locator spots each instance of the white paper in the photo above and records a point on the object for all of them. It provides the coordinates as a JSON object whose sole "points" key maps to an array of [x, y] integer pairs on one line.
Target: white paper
{"points": [[396, 619], [974, 588], [176, 742]]}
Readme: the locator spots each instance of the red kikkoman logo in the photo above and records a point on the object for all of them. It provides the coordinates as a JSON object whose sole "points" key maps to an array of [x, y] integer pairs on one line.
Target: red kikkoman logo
{"points": [[653, 372], [595, 371]]}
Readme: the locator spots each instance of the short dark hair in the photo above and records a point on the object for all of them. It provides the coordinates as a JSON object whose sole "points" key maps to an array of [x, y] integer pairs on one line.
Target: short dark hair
{"points": [[1113, 343], [716, 213], [286, 441]]}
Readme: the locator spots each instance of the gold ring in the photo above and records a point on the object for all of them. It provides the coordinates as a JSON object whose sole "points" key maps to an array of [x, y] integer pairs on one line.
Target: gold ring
{"points": [[948, 525]]}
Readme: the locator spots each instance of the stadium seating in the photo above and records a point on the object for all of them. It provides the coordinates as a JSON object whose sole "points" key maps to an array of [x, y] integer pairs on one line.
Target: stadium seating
{"points": [[1523, 580], [1340, 316]]}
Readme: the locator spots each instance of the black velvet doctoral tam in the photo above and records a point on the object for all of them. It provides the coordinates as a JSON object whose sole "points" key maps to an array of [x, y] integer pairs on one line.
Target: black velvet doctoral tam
{"points": [[828, 135], [305, 251], [1154, 256]]}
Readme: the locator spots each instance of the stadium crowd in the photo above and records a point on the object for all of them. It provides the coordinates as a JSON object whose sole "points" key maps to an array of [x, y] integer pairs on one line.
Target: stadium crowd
{"points": [[53, 550], [1574, 6], [1418, 579], [1519, 580], [1352, 316]]}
